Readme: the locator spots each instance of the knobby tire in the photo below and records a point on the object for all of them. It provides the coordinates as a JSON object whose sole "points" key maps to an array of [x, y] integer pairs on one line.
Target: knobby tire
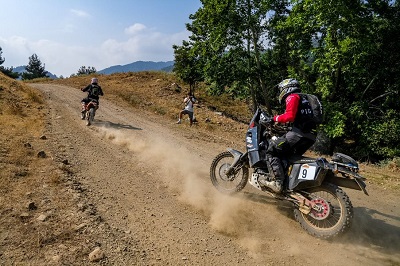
{"points": [[339, 219], [227, 184]]}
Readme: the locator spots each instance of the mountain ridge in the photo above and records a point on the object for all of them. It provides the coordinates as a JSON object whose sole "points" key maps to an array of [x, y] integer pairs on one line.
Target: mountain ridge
{"points": [[136, 66], [139, 66]]}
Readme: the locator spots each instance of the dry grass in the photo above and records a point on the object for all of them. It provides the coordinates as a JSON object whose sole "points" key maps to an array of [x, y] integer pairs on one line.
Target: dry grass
{"points": [[22, 180], [20, 118]]}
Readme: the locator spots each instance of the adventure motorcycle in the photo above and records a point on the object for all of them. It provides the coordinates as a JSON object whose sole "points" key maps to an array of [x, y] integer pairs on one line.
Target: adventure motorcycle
{"points": [[90, 111], [312, 184]]}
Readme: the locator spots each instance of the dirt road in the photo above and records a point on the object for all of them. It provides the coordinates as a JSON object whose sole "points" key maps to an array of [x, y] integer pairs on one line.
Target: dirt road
{"points": [[148, 180]]}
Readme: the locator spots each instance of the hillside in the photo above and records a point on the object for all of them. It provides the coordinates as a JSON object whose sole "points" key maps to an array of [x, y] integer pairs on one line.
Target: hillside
{"points": [[134, 187], [21, 69], [137, 67]]}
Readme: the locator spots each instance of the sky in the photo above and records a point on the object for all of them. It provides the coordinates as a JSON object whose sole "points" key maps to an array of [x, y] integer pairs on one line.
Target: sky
{"points": [[68, 34]]}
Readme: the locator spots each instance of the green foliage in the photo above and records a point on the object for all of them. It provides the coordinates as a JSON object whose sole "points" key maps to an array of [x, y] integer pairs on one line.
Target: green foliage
{"points": [[188, 66], [230, 38], [2, 59], [348, 56], [9, 72], [5, 70], [34, 69], [83, 70], [336, 126], [383, 136]]}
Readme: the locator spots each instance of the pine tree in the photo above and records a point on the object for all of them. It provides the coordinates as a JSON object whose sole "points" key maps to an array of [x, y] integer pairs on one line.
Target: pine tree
{"points": [[86, 70], [2, 59], [34, 69], [5, 70]]}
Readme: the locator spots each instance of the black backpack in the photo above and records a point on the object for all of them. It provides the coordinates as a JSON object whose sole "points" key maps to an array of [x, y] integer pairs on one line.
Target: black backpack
{"points": [[95, 90], [316, 107]]}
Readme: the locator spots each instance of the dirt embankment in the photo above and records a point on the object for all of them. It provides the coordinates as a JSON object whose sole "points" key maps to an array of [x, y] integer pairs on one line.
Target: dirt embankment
{"points": [[139, 189]]}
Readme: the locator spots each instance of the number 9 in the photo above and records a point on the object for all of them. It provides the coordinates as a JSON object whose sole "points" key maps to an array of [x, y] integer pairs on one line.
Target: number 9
{"points": [[304, 175]]}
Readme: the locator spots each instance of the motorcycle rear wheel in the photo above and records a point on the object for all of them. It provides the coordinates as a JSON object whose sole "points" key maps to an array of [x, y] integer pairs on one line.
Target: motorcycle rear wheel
{"points": [[335, 215], [224, 183], [90, 116]]}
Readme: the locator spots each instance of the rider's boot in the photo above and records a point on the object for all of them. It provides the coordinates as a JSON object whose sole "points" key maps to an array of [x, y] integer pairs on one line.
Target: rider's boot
{"points": [[83, 111], [275, 185], [276, 169]]}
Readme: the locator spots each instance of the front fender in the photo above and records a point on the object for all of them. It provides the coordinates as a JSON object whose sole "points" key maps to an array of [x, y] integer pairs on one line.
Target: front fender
{"points": [[234, 152], [237, 156]]}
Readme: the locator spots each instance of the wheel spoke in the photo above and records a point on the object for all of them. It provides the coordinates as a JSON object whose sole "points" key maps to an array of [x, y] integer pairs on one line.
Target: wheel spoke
{"points": [[330, 214], [223, 182]]}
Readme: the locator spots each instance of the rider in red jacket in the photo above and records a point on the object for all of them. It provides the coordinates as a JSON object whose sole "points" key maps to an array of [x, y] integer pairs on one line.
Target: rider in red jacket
{"points": [[296, 141], [292, 104]]}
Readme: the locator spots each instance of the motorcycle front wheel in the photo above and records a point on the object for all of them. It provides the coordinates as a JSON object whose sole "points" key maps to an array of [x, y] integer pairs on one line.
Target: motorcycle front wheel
{"points": [[333, 213], [227, 184]]}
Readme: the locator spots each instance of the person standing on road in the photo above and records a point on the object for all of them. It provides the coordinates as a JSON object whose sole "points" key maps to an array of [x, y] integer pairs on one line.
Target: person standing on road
{"points": [[188, 110]]}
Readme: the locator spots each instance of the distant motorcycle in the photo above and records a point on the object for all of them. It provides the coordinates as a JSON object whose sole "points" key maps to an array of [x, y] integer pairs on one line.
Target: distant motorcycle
{"points": [[321, 207], [90, 111]]}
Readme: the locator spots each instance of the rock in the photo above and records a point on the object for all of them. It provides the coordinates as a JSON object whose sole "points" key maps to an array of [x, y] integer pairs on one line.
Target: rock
{"points": [[24, 215], [27, 145], [80, 226], [43, 137], [41, 154], [32, 206], [96, 255], [42, 218]]}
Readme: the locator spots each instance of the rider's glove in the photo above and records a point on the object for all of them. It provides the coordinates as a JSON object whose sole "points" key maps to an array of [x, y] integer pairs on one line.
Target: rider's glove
{"points": [[266, 120]]}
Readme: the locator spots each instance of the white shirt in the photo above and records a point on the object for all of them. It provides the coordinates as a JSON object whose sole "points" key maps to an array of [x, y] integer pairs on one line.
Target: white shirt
{"points": [[189, 104]]}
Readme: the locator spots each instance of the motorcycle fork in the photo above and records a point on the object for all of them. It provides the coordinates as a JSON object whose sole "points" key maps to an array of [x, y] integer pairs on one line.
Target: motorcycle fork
{"points": [[237, 163]]}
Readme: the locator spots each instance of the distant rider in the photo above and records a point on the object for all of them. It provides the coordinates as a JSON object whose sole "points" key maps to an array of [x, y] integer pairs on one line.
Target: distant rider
{"points": [[296, 141], [94, 91]]}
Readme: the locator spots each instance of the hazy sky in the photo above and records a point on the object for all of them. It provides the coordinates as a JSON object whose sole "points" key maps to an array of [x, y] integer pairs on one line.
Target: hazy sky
{"points": [[68, 34]]}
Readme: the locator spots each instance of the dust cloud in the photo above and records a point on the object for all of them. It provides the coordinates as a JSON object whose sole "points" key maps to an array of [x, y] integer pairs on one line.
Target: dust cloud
{"points": [[237, 216], [181, 171]]}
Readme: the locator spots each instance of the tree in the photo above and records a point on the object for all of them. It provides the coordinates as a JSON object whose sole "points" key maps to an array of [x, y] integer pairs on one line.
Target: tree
{"points": [[188, 66], [2, 59], [348, 56], [233, 41], [5, 70], [34, 69], [83, 70]]}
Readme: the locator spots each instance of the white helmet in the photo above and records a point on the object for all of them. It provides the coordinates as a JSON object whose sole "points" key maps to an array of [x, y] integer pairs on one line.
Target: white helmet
{"points": [[94, 81], [287, 87]]}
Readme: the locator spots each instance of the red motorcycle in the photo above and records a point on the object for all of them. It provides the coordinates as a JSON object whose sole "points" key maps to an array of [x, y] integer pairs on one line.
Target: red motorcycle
{"points": [[90, 111]]}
